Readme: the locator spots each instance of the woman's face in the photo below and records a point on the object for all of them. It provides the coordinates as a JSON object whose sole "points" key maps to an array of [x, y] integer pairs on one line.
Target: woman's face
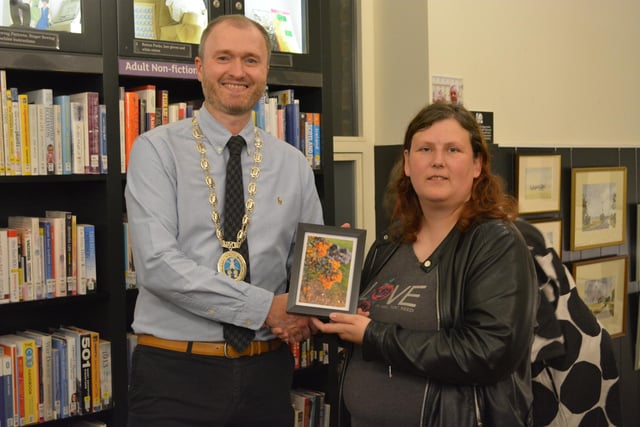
{"points": [[441, 165]]}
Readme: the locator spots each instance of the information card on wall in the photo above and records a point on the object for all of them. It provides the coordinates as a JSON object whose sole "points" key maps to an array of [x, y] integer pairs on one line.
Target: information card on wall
{"points": [[485, 120]]}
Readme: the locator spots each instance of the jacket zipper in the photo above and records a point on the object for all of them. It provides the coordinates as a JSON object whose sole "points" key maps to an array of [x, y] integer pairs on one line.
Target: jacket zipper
{"points": [[476, 404]]}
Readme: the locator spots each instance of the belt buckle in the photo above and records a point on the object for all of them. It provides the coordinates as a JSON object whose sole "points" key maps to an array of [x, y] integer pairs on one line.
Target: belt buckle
{"points": [[225, 352]]}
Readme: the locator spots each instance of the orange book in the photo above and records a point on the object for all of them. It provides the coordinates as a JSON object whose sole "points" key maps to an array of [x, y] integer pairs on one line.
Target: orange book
{"points": [[131, 122]]}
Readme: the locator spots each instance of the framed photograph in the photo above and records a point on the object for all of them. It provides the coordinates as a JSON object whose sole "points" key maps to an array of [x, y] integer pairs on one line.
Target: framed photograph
{"points": [[538, 183], [325, 275], [602, 285], [552, 231], [598, 207]]}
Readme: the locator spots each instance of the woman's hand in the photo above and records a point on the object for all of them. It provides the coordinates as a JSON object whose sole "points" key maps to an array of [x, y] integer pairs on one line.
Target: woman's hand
{"points": [[349, 327]]}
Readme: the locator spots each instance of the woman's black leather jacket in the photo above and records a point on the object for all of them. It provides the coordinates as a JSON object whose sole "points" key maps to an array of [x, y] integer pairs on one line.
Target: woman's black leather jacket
{"points": [[477, 362]]}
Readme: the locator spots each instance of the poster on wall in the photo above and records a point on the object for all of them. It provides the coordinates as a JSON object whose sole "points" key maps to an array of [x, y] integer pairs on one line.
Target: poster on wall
{"points": [[446, 89]]}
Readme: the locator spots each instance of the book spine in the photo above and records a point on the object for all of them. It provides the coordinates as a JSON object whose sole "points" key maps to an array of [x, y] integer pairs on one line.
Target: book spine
{"points": [[105, 374], [47, 260], [50, 140], [31, 381], [14, 265], [4, 125], [56, 385], [60, 349], [163, 103], [65, 130], [93, 116], [26, 245], [84, 372], [8, 391], [104, 156], [81, 278], [16, 138], [33, 138], [317, 142], [77, 136], [90, 257], [57, 140], [96, 397], [25, 143], [4, 266], [132, 122], [122, 122]]}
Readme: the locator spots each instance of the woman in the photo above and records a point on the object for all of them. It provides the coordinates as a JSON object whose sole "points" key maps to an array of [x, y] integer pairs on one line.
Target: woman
{"points": [[443, 333]]}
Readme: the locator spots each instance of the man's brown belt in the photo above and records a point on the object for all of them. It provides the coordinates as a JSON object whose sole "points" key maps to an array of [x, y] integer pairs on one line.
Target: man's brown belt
{"points": [[221, 349]]}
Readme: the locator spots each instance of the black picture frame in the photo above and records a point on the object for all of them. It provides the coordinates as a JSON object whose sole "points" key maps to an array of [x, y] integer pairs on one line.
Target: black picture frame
{"points": [[325, 275]]}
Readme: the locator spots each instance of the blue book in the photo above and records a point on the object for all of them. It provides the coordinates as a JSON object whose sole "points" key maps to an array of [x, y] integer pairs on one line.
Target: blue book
{"points": [[259, 114], [59, 345], [317, 143], [55, 381], [7, 391], [292, 125], [102, 110], [64, 101]]}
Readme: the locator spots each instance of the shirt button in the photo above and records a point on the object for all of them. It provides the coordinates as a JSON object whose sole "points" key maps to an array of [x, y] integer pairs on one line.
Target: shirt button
{"points": [[427, 263]]}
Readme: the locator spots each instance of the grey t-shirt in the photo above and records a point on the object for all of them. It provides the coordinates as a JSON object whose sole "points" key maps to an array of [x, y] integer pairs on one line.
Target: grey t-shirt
{"points": [[375, 394]]}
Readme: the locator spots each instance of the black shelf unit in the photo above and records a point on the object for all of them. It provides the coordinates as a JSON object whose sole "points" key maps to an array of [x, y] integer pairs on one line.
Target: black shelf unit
{"points": [[98, 199]]}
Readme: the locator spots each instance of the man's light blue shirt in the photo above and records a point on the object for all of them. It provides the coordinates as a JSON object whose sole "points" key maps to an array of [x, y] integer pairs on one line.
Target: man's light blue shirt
{"points": [[181, 294]]}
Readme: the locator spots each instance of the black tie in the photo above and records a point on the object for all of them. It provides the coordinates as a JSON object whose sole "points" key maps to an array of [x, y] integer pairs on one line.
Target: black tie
{"points": [[234, 209]]}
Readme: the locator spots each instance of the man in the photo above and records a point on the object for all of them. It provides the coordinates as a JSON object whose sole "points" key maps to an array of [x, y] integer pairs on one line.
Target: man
{"points": [[184, 371]]}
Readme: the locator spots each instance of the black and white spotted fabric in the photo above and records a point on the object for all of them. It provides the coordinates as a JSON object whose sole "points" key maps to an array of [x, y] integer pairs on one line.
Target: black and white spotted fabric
{"points": [[574, 372]]}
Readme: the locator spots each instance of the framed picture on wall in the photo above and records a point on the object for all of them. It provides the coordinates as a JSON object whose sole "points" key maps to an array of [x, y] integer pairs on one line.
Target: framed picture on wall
{"points": [[325, 275], [538, 183], [598, 207], [602, 285], [551, 229]]}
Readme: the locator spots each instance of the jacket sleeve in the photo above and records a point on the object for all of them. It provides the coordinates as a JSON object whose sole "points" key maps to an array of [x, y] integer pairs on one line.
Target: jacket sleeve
{"points": [[486, 314]]}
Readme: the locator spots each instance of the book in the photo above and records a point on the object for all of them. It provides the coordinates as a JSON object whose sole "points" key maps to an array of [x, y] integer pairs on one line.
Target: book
{"points": [[57, 139], [91, 273], [292, 125], [55, 381], [4, 267], [62, 394], [122, 128], [70, 250], [34, 142], [317, 142], [47, 259], [45, 363], [41, 96], [64, 101], [78, 142], [58, 253], [162, 102], [49, 141], [13, 256], [25, 250], [9, 389], [81, 279], [106, 377], [32, 224], [91, 129], [4, 126], [104, 154], [284, 96], [131, 122], [25, 143]]}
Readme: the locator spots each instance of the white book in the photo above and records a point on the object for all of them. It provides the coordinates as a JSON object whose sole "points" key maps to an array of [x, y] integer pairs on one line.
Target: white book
{"points": [[106, 377], [14, 265], [33, 139], [33, 224], [58, 249], [81, 272], [41, 138], [40, 96], [4, 267], [49, 140], [57, 138], [43, 341], [70, 243], [77, 137], [71, 363]]}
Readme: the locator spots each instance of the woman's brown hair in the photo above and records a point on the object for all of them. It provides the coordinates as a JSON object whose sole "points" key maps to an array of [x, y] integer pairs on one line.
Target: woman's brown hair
{"points": [[488, 199]]}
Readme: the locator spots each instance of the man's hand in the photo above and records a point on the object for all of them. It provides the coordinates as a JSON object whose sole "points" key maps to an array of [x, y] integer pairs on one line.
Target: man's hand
{"points": [[287, 327]]}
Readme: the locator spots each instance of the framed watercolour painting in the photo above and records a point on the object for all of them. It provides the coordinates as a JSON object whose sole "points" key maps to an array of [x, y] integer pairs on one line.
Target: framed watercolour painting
{"points": [[602, 285], [598, 207], [325, 275], [538, 183], [552, 231]]}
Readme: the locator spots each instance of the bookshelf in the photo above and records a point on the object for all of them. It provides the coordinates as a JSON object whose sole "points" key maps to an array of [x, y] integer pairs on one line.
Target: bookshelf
{"points": [[98, 199]]}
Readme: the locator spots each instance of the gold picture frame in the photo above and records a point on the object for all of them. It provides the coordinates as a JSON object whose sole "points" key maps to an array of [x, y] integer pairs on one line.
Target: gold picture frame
{"points": [[598, 207], [602, 285], [325, 275], [551, 229], [538, 179]]}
